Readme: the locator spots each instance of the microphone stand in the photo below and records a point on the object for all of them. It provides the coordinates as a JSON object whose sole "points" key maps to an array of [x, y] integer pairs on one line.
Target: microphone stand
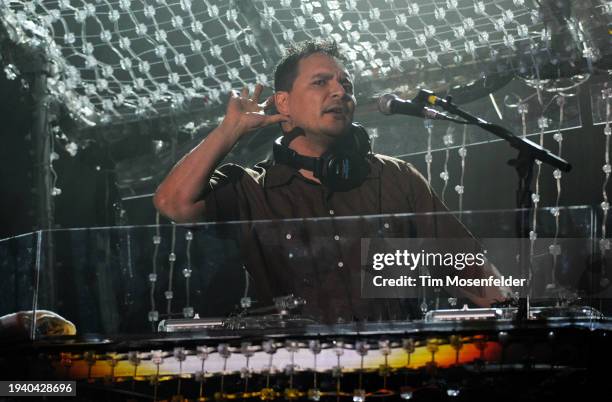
{"points": [[528, 152]]}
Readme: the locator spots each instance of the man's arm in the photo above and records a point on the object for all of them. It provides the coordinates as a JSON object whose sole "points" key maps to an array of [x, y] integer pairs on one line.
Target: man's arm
{"points": [[179, 196]]}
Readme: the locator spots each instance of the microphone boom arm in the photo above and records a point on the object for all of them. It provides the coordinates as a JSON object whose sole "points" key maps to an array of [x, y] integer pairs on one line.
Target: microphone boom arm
{"points": [[523, 145]]}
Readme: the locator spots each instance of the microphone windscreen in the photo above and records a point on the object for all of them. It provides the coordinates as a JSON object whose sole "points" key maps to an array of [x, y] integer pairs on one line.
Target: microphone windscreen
{"points": [[384, 103]]}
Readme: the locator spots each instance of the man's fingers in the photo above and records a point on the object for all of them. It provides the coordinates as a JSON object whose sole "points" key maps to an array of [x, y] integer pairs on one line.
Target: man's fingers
{"points": [[276, 118], [245, 92], [268, 103], [257, 93]]}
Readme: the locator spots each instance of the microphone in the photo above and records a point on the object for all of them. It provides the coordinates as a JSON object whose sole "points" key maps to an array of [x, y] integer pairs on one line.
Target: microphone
{"points": [[391, 104]]}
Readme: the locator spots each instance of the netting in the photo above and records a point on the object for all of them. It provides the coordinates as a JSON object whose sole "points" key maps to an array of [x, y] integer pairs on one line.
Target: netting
{"points": [[112, 60]]}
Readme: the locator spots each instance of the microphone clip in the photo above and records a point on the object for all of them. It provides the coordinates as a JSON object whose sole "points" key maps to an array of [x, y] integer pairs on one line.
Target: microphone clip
{"points": [[427, 97]]}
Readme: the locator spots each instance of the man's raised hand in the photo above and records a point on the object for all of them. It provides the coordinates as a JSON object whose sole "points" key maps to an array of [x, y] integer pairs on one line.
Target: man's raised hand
{"points": [[245, 114]]}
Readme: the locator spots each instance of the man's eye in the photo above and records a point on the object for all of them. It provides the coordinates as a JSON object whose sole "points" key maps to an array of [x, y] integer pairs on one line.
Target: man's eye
{"points": [[319, 82]]}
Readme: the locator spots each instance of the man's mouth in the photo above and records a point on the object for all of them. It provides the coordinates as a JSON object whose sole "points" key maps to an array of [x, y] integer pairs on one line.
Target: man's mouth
{"points": [[339, 110]]}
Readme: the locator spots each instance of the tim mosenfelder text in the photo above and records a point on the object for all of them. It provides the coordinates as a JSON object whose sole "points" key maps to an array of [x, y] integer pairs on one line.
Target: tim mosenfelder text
{"points": [[458, 261]]}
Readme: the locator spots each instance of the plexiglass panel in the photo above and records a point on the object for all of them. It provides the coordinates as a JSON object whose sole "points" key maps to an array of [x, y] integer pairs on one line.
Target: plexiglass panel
{"points": [[126, 280], [18, 269]]}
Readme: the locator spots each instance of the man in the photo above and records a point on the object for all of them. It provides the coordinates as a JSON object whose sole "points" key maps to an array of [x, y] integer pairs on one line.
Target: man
{"points": [[315, 100]]}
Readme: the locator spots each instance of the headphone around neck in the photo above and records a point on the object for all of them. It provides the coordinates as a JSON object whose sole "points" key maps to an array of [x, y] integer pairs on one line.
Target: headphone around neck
{"points": [[341, 168]]}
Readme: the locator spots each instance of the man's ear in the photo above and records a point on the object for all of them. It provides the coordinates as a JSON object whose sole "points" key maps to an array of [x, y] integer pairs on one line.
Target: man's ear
{"points": [[281, 101]]}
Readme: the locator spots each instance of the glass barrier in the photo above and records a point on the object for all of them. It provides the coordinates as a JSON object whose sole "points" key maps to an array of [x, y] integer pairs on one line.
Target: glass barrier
{"points": [[600, 95], [18, 265], [137, 280], [517, 107]]}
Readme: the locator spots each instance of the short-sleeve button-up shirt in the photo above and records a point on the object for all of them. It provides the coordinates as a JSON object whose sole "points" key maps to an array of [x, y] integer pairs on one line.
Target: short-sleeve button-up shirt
{"points": [[319, 259]]}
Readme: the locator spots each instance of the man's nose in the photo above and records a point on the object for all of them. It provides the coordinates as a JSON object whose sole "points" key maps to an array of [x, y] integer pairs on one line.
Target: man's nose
{"points": [[338, 90]]}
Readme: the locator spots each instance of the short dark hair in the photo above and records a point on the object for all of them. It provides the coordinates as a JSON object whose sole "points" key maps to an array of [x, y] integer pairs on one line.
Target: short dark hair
{"points": [[287, 68]]}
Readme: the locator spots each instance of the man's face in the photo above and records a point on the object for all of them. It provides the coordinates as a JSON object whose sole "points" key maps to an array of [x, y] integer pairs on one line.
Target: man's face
{"points": [[321, 101]]}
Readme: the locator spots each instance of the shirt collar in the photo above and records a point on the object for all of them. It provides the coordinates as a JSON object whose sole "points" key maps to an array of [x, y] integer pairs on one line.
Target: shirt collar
{"points": [[277, 174]]}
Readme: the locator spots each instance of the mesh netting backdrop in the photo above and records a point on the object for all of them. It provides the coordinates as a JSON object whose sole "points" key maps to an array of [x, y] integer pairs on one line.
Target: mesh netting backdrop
{"points": [[123, 59]]}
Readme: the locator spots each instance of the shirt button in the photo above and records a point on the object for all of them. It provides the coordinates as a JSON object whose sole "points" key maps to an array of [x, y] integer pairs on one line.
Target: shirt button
{"points": [[340, 264], [386, 225], [288, 236], [331, 212], [336, 237]]}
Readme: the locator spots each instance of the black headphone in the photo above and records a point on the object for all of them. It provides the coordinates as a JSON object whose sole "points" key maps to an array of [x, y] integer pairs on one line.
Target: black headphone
{"points": [[341, 168]]}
